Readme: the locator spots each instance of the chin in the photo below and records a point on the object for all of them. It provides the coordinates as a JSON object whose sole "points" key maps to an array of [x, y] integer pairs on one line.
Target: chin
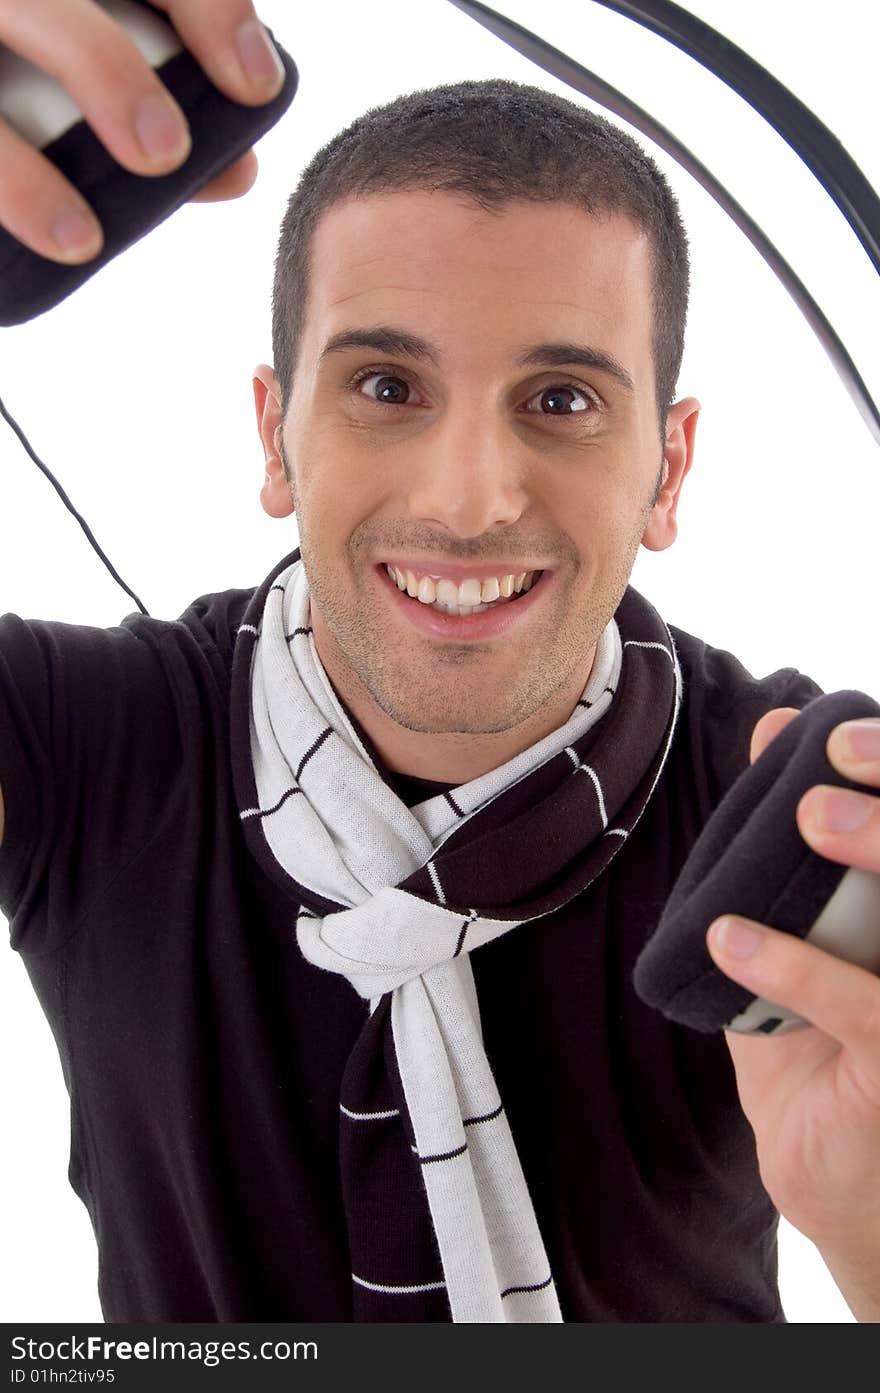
{"points": [[433, 713]]}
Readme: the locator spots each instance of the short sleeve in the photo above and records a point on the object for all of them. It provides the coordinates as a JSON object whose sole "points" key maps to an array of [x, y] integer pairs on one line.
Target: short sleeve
{"points": [[723, 703], [88, 741]]}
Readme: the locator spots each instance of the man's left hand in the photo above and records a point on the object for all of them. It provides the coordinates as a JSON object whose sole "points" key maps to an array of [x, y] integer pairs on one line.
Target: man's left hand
{"points": [[812, 1095]]}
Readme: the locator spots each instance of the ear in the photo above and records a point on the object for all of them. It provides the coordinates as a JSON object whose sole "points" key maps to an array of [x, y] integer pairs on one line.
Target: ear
{"points": [[681, 427], [275, 495]]}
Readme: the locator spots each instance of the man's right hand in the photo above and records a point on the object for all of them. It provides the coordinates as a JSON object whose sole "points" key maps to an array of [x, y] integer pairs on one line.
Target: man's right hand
{"points": [[126, 105]]}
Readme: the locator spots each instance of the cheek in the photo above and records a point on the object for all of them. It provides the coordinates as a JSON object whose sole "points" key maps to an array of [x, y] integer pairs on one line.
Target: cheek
{"points": [[351, 473], [334, 498], [606, 525], [590, 499]]}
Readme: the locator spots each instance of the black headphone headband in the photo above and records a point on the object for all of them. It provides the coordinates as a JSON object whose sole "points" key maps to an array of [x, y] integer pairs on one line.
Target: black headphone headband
{"points": [[821, 151]]}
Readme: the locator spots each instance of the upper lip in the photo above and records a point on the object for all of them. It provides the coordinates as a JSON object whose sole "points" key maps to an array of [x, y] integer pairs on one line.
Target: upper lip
{"points": [[443, 570]]}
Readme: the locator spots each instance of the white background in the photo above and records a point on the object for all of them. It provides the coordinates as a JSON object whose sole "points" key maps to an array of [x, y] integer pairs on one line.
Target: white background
{"points": [[136, 392]]}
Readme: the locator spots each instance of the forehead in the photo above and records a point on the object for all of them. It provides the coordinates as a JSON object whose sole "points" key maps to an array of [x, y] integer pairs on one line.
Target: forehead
{"points": [[437, 262]]}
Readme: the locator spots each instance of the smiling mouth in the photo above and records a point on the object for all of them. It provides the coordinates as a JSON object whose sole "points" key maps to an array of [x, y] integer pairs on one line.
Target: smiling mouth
{"points": [[446, 597]]}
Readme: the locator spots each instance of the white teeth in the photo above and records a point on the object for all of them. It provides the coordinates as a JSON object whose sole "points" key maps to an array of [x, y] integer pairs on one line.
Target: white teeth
{"points": [[460, 609], [447, 592], [469, 592], [470, 597]]}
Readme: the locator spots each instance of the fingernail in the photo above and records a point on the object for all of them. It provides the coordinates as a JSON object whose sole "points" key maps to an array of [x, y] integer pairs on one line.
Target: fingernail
{"points": [[861, 740], [160, 130], [76, 234], [736, 939], [258, 56], [838, 810]]}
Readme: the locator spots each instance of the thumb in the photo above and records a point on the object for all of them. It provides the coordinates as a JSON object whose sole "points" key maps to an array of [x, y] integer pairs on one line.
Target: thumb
{"points": [[768, 727]]}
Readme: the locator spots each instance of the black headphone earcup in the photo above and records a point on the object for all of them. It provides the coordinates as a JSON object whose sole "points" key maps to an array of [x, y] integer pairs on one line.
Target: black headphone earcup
{"points": [[751, 860], [127, 205]]}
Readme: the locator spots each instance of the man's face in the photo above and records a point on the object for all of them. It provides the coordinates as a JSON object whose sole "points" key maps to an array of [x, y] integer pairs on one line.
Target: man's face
{"points": [[492, 411]]}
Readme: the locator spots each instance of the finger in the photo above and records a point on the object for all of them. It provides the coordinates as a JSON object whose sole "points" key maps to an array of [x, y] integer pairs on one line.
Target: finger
{"points": [[129, 109], [842, 825], [232, 46], [232, 182], [39, 206], [854, 749], [768, 727], [839, 998]]}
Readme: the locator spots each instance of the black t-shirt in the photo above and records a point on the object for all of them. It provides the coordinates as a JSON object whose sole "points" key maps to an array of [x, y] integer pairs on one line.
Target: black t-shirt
{"points": [[204, 1055]]}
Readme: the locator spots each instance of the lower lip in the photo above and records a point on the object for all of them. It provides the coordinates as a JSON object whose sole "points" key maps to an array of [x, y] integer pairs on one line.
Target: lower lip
{"points": [[491, 623]]}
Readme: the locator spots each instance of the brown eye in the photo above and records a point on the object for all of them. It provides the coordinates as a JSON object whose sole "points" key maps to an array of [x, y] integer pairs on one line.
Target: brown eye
{"points": [[391, 390], [561, 401]]}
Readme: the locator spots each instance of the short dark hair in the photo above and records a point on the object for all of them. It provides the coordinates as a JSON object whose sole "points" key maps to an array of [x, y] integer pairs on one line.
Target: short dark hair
{"points": [[494, 141]]}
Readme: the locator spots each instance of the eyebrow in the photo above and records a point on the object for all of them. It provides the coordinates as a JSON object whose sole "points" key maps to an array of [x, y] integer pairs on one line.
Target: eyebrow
{"points": [[559, 355], [382, 338], [385, 338]]}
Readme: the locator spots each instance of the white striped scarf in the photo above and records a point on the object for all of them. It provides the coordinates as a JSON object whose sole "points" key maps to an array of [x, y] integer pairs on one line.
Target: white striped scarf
{"points": [[340, 832]]}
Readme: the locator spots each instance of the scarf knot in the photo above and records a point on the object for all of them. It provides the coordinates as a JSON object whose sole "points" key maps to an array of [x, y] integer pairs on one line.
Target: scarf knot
{"points": [[391, 939]]}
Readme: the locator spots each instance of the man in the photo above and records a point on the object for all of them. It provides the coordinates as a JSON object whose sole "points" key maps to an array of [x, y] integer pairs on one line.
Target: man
{"points": [[333, 889]]}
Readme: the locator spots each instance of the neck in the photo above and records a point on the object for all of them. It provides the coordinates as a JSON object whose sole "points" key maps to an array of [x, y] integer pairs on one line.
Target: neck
{"points": [[454, 757]]}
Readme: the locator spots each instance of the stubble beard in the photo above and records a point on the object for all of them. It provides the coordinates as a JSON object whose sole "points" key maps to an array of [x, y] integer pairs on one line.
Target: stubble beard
{"points": [[450, 692], [447, 689]]}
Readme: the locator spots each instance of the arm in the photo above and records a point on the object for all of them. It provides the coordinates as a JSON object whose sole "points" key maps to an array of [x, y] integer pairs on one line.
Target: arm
{"points": [[126, 105], [112, 84], [813, 1096], [859, 1285]]}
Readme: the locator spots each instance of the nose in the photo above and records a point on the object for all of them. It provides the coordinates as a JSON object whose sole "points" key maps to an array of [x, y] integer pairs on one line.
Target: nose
{"points": [[467, 473]]}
